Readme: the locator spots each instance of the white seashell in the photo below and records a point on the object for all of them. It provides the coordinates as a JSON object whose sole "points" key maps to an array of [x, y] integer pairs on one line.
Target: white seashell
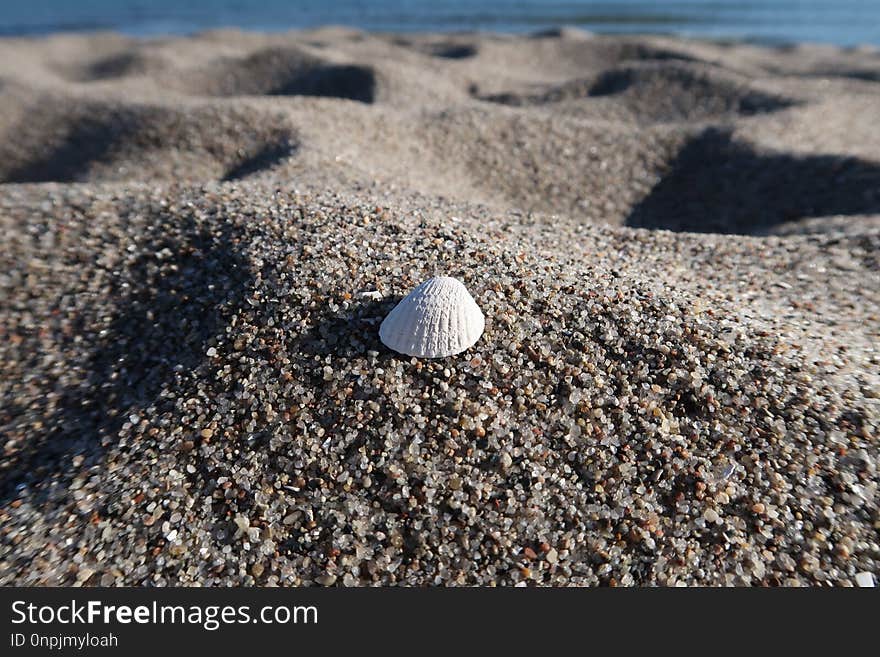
{"points": [[439, 318]]}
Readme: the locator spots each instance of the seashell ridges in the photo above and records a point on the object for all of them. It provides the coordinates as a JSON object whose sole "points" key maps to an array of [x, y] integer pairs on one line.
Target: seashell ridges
{"points": [[438, 318]]}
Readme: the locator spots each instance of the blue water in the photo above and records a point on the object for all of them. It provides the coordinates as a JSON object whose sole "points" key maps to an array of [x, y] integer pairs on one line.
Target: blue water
{"points": [[842, 22]]}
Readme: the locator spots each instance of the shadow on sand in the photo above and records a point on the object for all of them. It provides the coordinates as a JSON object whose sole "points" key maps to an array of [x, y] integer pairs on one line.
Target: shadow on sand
{"points": [[717, 185], [181, 292]]}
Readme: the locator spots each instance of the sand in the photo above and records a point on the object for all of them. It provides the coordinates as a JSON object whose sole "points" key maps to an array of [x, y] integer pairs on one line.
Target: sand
{"points": [[675, 244]]}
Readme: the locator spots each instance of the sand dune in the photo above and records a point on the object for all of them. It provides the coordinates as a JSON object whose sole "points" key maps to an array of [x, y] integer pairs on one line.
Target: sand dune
{"points": [[675, 244]]}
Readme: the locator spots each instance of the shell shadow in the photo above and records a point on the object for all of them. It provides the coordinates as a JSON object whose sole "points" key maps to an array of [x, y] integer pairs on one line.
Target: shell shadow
{"points": [[181, 291], [349, 332]]}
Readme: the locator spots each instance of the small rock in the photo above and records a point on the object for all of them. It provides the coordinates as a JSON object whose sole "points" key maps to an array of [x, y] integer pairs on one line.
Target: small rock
{"points": [[865, 580], [786, 562], [242, 522], [326, 580]]}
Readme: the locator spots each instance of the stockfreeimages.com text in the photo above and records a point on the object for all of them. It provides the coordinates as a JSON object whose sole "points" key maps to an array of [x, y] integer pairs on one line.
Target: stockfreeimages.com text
{"points": [[210, 617]]}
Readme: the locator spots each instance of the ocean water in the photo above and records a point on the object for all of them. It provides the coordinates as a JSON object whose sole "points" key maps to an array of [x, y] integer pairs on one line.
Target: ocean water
{"points": [[841, 22]]}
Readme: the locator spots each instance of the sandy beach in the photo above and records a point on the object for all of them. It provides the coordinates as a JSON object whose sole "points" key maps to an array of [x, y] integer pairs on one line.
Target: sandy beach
{"points": [[675, 243]]}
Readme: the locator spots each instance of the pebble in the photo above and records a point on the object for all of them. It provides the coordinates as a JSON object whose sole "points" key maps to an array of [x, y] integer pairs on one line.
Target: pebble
{"points": [[326, 580], [865, 579]]}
